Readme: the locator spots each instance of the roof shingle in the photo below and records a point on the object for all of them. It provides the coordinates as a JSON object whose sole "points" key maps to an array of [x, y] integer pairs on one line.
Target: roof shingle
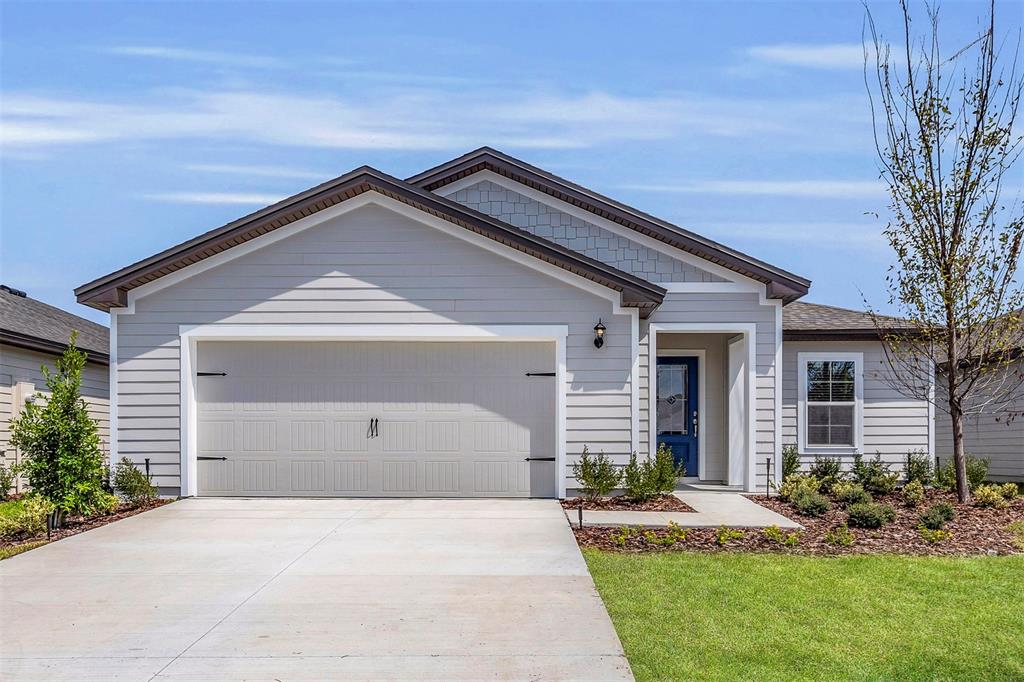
{"points": [[29, 323]]}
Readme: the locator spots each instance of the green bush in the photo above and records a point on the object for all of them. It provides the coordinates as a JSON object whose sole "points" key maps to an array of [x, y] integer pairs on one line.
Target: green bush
{"points": [[26, 516], [810, 503], [977, 472], [841, 536], [937, 516], [1016, 529], [131, 484], [790, 462], [775, 534], [7, 476], [874, 475], [919, 468], [870, 515], [796, 483], [989, 496], [649, 478], [63, 460], [933, 535], [847, 493], [597, 476], [913, 493], [723, 534], [828, 471], [1009, 490]]}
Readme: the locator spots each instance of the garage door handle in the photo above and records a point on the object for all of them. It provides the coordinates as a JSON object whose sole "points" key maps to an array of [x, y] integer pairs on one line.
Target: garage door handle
{"points": [[222, 459], [539, 459]]}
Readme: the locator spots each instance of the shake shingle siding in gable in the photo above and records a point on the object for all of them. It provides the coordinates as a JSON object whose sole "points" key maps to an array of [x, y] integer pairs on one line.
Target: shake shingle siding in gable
{"points": [[369, 267], [579, 235]]}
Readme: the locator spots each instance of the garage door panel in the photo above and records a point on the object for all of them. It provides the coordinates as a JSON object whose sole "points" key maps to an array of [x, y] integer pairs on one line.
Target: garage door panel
{"points": [[451, 418]]}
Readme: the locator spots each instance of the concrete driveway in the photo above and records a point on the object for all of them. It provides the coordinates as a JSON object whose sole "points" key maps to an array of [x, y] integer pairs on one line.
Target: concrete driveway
{"points": [[292, 589]]}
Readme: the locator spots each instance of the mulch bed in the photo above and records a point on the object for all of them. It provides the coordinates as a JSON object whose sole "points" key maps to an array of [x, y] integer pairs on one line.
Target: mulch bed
{"points": [[974, 531], [74, 525], [662, 503]]}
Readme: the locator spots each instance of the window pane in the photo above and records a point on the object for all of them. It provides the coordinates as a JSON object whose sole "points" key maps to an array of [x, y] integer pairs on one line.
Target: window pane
{"points": [[817, 371], [817, 415], [841, 415], [842, 391], [818, 391], [817, 435], [842, 371], [841, 435]]}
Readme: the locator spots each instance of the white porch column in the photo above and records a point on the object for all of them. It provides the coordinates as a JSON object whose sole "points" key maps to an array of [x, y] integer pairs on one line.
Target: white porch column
{"points": [[737, 375]]}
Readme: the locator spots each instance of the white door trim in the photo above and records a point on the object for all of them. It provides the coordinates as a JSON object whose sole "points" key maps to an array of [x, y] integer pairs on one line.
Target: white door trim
{"points": [[191, 334], [749, 332], [701, 355]]}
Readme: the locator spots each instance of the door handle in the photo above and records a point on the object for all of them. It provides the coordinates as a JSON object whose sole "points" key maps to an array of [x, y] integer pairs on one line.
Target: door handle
{"points": [[695, 423]]}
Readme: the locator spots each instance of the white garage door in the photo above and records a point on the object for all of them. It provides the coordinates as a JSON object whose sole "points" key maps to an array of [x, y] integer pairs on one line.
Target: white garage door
{"points": [[402, 419]]}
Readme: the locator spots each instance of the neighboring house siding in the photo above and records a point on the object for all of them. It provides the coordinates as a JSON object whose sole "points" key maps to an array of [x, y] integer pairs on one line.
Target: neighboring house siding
{"points": [[712, 309], [893, 424], [997, 435], [22, 366], [370, 266], [589, 239]]}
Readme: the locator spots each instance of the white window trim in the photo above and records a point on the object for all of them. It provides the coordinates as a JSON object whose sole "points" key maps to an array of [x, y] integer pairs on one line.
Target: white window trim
{"points": [[858, 395]]}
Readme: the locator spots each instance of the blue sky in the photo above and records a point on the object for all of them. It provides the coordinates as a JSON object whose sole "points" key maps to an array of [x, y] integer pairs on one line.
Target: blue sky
{"points": [[130, 127]]}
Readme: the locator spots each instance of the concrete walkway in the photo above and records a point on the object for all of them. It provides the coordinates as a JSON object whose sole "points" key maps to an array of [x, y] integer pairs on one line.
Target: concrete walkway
{"points": [[290, 589], [710, 510]]}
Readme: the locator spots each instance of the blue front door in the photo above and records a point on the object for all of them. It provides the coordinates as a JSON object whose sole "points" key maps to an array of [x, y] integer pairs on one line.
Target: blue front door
{"points": [[677, 409]]}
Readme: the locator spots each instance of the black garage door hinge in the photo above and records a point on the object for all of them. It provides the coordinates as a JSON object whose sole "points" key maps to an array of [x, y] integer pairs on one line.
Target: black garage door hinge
{"points": [[540, 374], [211, 374], [220, 459], [539, 459]]}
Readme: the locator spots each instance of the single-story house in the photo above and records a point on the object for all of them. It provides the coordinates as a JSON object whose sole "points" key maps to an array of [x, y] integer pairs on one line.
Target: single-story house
{"points": [[997, 433], [33, 334], [468, 331]]}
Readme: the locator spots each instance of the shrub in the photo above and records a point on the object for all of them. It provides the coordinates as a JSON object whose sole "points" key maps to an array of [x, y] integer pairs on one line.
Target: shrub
{"points": [[790, 462], [597, 476], [919, 468], [1016, 529], [937, 516], [913, 493], [828, 471], [723, 534], [624, 534], [810, 503], [775, 534], [672, 535], [131, 484], [841, 536], [977, 471], [649, 478], [933, 535], [796, 483], [63, 460], [874, 475], [7, 476], [26, 516], [989, 496], [870, 515], [1009, 490], [847, 493], [676, 532]]}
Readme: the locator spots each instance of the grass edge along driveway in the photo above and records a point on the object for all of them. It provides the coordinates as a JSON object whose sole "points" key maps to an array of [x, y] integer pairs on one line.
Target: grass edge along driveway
{"points": [[683, 615]]}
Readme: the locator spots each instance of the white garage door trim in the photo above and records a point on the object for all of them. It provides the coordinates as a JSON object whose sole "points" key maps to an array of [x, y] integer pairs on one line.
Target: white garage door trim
{"points": [[191, 335]]}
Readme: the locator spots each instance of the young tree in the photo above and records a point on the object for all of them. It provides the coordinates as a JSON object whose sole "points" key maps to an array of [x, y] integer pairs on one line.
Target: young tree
{"points": [[63, 460], [944, 132]]}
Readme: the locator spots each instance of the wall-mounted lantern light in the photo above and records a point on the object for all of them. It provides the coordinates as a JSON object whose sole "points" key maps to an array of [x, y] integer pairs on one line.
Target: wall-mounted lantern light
{"points": [[599, 330]]}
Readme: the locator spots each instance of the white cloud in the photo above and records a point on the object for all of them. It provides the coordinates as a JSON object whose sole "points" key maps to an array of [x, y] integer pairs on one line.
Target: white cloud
{"points": [[819, 189], [417, 118], [256, 171], [198, 56], [822, 56], [864, 238], [232, 198]]}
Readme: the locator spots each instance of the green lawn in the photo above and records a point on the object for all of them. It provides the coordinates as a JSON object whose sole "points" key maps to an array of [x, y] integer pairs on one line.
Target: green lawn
{"points": [[769, 617]]}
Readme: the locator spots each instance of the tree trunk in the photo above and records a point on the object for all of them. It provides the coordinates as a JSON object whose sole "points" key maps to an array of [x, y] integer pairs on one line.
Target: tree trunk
{"points": [[963, 491]]}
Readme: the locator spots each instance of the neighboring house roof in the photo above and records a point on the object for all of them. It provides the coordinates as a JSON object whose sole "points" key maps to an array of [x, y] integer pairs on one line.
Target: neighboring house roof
{"points": [[781, 284], [111, 290], [813, 321], [28, 323]]}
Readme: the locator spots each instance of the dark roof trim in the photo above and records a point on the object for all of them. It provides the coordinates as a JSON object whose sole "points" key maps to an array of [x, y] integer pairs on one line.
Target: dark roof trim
{"points": [[780, 283], [111, 290], [12, 338]]}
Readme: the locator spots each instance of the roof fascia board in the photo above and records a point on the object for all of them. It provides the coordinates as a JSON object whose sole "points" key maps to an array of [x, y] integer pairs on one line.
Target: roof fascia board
{"points": [[600, 221], [40, 345]]}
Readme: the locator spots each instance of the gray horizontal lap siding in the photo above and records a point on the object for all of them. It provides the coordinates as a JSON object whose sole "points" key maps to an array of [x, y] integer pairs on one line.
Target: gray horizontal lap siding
{"points": [[370, 266], [711, 309], [546, 221], [996, 435], [893, 423]]}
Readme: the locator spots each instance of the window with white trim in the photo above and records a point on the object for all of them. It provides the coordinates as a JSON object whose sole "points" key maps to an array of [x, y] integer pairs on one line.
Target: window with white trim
{"points": [[830, 401]]}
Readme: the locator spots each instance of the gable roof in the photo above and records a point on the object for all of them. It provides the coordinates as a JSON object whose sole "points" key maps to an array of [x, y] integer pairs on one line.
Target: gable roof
{"points": [[111, 290], [28, 323], [814, 321], [780, 283]]}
